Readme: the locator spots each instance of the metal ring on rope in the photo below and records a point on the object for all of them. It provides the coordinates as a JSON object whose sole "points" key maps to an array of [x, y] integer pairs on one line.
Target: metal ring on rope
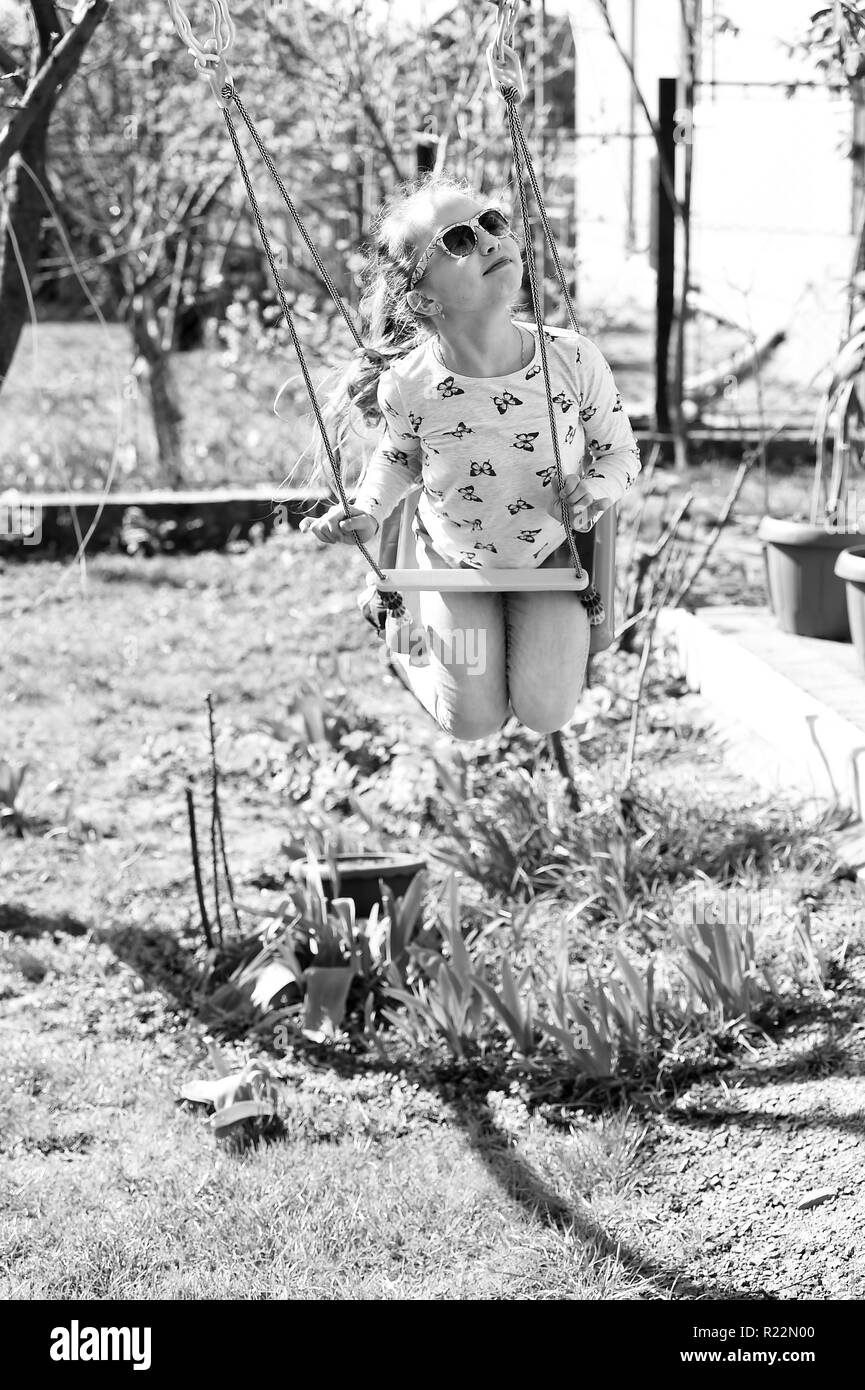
{"points": [[211, 59]]}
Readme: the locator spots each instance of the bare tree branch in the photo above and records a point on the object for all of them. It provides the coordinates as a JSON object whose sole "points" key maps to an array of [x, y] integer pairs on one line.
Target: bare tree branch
{"points": [[42, 91], [13, 70], [47, 22]]}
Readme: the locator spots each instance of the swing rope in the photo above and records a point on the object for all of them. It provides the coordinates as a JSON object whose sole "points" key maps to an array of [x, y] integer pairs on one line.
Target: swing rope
{"points": [[392, 601], [511, 99], [320, 266], [213, 63], [506, 72], [548, 231], [222, 39]]}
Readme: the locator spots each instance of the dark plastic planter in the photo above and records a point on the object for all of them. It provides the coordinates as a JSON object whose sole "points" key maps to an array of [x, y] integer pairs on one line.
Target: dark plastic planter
{"points": [[805, 594], [359, 876], [850, 566]]}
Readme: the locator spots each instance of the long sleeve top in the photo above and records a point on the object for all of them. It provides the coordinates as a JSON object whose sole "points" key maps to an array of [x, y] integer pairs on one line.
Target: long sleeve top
{"points": [[481, 449]]}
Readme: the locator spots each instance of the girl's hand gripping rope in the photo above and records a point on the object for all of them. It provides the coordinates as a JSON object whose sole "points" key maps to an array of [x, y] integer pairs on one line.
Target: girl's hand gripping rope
{"points": [[585, 507], [335, 526]]}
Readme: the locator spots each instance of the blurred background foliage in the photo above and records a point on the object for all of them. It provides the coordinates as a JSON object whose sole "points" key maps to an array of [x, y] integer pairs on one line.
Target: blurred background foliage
{"points": [[147, 221]]}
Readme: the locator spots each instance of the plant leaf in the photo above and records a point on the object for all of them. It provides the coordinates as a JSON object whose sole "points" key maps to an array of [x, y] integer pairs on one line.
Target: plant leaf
{"points": [[272, 979], [326, 995], [215, 1092], [243, 1110]]}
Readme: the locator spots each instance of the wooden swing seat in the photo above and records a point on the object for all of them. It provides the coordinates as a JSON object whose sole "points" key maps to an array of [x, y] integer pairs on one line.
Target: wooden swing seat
{"points": [[480, 580], [397, 559]]}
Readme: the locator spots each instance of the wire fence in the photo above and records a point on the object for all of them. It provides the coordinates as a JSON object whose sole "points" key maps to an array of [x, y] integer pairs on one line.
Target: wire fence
{"points": [[777, 175]]}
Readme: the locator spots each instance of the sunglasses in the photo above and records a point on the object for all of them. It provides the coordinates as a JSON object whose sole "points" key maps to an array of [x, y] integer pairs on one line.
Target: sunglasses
{"points": [[460, 239]]}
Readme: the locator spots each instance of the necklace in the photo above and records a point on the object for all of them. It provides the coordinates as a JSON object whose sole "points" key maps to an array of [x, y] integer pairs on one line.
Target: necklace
{"points": [[525, 350]]}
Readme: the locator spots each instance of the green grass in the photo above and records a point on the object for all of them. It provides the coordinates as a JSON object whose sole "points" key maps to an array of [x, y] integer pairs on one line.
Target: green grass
{"points": [[66, 407], [375, 1192]]}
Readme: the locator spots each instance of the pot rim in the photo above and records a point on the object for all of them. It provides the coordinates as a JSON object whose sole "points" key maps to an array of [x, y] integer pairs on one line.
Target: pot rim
{"points": [[369, 865], [779, 530], [850, 564]]}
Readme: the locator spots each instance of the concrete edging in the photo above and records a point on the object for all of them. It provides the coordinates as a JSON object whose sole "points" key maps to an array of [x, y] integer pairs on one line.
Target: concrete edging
{"points": [[778, 730]]}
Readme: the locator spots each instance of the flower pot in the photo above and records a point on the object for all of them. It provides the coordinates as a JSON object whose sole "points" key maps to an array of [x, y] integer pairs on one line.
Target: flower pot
{"points": [[359, 876], [805, 594], [850, 567]]}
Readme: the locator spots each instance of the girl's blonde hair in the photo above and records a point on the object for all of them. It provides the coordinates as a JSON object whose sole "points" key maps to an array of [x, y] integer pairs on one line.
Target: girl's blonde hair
{"points": [[389, 327]]}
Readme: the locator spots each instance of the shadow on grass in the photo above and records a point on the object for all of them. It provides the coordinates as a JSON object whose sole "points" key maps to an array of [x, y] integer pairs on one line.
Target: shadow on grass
{"points": [[827, 1057], [19, 920], [712, 1117], [155, 570], [160, 960], [526, 1188], [462, 1092]]}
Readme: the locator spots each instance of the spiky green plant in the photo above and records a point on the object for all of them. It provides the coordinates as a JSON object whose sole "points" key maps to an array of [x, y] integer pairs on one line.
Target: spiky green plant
{"points": [[721, 969], [605, 1027], [507, 839], [448, 1004], [514, 1005], [389, 935]]}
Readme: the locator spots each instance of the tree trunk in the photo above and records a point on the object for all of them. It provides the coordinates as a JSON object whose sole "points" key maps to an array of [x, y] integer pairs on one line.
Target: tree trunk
{"points": [[20, 226], [24, 137], [52, 66], [153, 367]]}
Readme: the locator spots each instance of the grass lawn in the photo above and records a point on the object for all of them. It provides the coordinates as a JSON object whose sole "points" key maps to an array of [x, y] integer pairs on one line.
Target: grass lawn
{"points": [[415, 1180], [71, 397]]}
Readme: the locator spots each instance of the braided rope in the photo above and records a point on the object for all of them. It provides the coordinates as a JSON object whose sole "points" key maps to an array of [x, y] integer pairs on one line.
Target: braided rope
{"points": [[511, 101], [548, 232], [589, 596], [320, 266], [392, 601], [211, 60]]}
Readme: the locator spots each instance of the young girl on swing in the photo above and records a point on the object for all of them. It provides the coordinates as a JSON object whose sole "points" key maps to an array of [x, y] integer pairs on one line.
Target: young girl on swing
{"points": [[460, 389]]}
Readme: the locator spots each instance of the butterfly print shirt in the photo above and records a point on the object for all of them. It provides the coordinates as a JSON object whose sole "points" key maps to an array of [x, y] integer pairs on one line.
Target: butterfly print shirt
{"points": [[481, 450]]}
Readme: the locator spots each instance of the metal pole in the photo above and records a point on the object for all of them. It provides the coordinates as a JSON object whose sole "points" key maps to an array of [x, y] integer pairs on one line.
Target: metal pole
{"points": [[665, 243], [540, 140], [576, 243]]}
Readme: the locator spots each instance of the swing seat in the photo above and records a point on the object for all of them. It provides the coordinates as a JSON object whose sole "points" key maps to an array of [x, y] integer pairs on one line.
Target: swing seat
{"points": [[499, 581], [397, 557]]}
